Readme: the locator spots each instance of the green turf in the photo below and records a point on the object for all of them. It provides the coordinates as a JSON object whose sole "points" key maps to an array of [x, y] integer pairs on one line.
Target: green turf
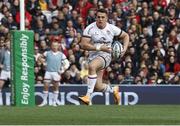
{"points": [[91, 115]]}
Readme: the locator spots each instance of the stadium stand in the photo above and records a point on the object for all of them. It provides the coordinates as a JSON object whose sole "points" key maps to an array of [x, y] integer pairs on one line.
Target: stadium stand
{"points": [[153, 56]]}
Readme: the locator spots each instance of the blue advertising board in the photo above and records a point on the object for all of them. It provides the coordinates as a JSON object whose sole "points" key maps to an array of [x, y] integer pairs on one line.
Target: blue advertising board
{"points": [[130, 95]]}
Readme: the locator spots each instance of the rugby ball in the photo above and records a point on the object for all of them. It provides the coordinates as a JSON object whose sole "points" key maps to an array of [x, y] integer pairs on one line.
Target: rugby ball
{"points": [[117, 49]]}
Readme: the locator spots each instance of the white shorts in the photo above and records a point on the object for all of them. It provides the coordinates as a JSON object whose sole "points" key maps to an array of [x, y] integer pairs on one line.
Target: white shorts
{"points": [[106, 58], [51, 76], [5, 75]]}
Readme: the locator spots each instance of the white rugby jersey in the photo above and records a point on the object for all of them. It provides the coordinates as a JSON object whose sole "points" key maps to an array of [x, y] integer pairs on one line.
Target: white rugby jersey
{"points": [[102, 36]]}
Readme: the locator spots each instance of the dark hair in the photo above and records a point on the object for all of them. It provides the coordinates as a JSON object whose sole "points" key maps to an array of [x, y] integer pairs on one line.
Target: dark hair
{"points": [[102, 11]]}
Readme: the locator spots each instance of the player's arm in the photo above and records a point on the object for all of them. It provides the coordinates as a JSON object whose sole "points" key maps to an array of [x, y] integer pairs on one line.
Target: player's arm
{"points": [[65, 64], [125, 39], [42, 57], [123, 36], [87, 45]]}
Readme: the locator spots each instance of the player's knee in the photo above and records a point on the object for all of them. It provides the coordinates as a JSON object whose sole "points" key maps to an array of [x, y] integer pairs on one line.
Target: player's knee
{"points": [[1, 83], [92, 68], [46, 85], [56, 84], [46, 88]]}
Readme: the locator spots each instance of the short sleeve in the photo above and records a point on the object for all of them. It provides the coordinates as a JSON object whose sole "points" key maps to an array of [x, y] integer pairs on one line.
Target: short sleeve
{"points": [[117, 31], [87, 31], [63, 56]]}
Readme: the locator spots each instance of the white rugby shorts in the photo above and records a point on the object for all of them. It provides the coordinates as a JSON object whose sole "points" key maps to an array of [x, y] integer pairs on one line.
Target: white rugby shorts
{"points": [[106, 58], [5, 75], [51, 76]]}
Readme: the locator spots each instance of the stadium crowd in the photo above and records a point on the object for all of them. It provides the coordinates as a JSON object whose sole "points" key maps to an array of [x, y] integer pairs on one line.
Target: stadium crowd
{"points": [[153, 55]]}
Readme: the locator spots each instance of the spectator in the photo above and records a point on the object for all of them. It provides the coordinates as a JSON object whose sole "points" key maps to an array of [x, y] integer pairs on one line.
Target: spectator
{"points": [[43, 46], [153, 27], [62, 19], [112, 78], [120, 79], [39, 16], [166, 78], [176, 79], [55, 30], [74, 18], [40, 30], [91, 17], [66, 11], [82, 7], [5, 67], [73, 70], [143, 73], [15, 7], [31, 6], [84, 70], [36, 53], [161, 67], [152, 80], [128, 78], [80, 24], [70, 28], [172, 65], [138, 80], [84, 58], [11, 24], [43, 5], [39, 72], [28, 19], [67, 78], [56, 63], [78, 79]]}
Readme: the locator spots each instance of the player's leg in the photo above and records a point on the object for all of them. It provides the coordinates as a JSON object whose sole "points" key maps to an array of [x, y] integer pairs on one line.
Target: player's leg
{"points": [[100, 86], [1, 86], [95, 65], [56, 80], [3, 78], [47, 81], [107, 88], [45, 92]]}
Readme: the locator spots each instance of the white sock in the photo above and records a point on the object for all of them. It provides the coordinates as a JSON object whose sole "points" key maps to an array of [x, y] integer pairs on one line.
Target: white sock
{"points": [[1, 100], [91, 84], [56, 94], [45, 96], [108, 88]]}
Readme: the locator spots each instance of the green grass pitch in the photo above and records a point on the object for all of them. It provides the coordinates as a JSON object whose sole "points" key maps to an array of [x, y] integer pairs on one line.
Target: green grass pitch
{"points": [[91, 115]]}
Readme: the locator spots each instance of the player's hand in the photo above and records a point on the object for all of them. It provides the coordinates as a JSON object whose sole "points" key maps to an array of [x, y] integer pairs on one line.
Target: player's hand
{"points": [[105, 48], [123, 52]]}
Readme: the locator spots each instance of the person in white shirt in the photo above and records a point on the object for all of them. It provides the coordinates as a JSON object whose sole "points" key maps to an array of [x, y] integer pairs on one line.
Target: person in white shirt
{"points": [[97, 38], [56, 63], [5, 67]]}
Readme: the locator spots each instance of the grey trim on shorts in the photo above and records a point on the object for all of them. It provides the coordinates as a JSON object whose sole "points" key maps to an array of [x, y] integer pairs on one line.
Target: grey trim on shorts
{"points": [[105, 63]]}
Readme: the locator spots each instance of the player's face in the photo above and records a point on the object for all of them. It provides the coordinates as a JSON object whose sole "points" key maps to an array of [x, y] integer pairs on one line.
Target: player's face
{"points": [[101, 20], [55, 46]]}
